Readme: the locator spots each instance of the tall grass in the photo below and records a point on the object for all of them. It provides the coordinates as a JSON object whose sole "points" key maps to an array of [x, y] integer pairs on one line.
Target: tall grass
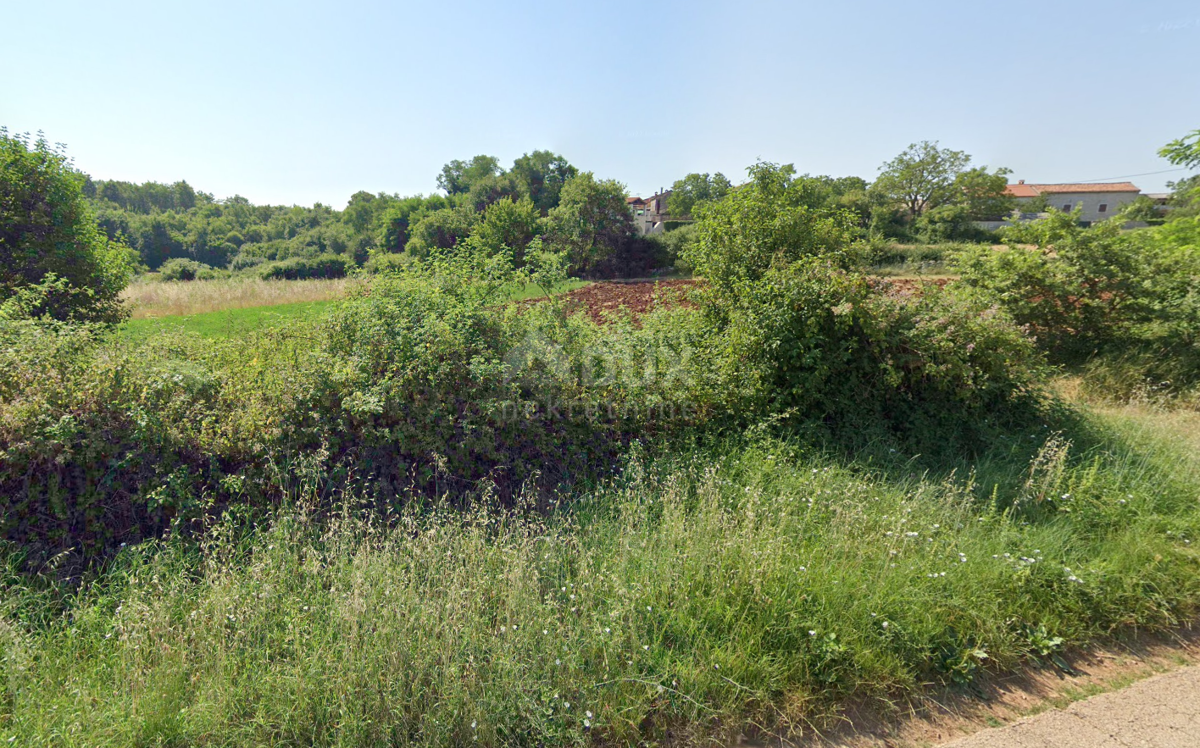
{"points": [[700, 590], [170, 298]]}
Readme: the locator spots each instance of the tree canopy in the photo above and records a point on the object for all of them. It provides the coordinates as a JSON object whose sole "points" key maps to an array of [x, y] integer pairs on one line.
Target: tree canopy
{"points": [[922, 177], [49, 237], [776, 217], [591, 222], [696, 188], [458, 177]]}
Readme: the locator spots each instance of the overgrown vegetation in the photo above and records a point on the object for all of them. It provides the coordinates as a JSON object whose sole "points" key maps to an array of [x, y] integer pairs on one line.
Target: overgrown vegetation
{"points": [[742, 582], [434, 516], [1123, 305]]}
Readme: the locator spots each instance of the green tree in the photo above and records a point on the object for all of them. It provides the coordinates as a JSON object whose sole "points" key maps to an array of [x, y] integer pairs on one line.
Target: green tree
{"points": [[401, 215], [922, 177], [984, 193], [696, 188], [541, 176], [591, 222], [1141, 209], [47, 232], [509, 224], [775, 219], [1185, 197], [441, 229], [491, 189], [363, 209], [457, 177]]}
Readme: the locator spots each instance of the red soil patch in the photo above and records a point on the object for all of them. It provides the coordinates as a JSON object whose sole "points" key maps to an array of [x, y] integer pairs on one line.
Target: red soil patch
{"points": [[600, 301], [909, 286]]}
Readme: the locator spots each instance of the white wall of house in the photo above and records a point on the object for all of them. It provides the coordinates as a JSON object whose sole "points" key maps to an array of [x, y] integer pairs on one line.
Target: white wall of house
{"points": [[651, 218], [1097, 206]]}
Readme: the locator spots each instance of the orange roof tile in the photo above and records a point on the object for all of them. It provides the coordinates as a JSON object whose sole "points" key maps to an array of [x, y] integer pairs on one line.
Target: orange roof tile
{"points": [[1033, 190], [1021, 190]]}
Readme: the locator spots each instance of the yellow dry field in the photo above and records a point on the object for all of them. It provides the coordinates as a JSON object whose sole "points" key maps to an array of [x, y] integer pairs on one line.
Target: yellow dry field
{"points": [[163, 299]]}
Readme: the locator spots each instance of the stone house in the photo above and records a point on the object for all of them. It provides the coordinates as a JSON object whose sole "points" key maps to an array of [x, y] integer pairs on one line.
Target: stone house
{"points": [[1096, 201], [650, 216]]}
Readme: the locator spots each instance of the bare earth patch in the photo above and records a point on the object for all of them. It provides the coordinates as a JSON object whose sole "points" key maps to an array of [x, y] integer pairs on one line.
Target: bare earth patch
{"points": [[603, 301]]}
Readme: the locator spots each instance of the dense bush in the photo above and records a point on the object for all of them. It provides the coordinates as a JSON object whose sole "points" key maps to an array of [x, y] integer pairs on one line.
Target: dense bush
{"points": [[774, 219], [178, 269], [422, 383], [47, 232], [884, 252], [1092, 290], [799, 331], [388, 262], [298, 268], [245, 262]]}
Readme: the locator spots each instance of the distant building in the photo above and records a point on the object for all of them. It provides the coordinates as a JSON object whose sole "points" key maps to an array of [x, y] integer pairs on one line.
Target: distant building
{"points": [[1096, 201], [650, 216], [1161, 200]]}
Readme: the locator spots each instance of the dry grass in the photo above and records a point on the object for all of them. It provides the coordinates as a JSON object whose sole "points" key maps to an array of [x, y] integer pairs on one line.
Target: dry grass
{"points": [[162, 299]]}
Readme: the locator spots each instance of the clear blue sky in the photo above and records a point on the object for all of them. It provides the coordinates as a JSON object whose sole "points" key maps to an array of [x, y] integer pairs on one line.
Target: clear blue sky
{"points": [[297, 102]]}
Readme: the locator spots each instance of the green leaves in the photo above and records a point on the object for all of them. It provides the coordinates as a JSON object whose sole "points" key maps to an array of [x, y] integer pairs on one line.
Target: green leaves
{"points": [[1087, 290], [775, 219], [46, 229], [1183, 152], [696, 188], [590, 223]]}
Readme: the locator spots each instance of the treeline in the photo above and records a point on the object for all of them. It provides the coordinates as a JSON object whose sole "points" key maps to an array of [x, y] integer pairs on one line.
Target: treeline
{"points": [[926, 194], [540, 198]]}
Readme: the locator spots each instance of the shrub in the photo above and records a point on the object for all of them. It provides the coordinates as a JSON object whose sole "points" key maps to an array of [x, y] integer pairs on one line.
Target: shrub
{"points": [[772, 220], [427, 382], [1091, 290], [388, 262], [882, 252], [819, 344], [420, 385], [47, 232], [245, 262], [675, 242], [297, 268], [179, 269], [592, 227]]}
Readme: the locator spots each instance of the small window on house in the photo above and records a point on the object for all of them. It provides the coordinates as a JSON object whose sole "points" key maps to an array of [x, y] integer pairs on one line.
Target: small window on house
{"points": [[1067, 208], [1103, 207]]}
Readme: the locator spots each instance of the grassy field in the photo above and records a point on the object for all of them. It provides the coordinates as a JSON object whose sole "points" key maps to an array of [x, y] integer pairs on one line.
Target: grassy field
{"points": [[233, 307], [149, 299], [226, 323], [750, 581]]}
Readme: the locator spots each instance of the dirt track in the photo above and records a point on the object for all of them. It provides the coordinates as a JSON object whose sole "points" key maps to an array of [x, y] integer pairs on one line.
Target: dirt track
{"points": [[1161, 711]]}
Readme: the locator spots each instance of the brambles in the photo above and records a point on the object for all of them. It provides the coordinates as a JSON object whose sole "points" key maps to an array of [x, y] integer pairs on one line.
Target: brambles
{"points": [[1101, 297]]}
